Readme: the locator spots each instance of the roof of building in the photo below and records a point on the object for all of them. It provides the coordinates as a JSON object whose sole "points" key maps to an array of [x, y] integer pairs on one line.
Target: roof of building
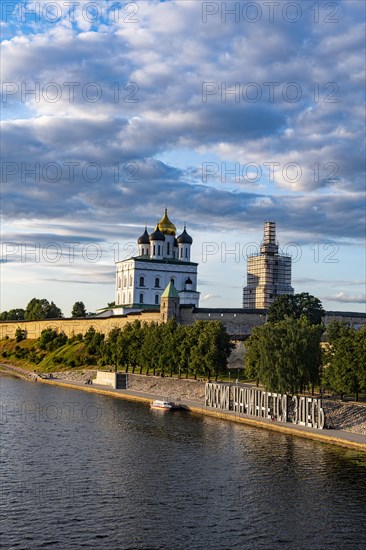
{"points": [[166, 226], [184, 238], [170, 291], [153, 260], [157, 235], [144, 239]]}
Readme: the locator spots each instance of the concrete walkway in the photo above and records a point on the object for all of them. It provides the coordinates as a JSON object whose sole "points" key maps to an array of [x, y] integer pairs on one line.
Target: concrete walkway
{"points": [[338, 437], [335, 437]]}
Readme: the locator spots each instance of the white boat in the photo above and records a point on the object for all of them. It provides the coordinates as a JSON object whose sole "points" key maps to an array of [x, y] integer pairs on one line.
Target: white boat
{"points": [[165, 405]]}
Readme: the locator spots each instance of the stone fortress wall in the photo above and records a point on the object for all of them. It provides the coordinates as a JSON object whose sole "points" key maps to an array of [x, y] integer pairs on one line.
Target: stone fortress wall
{"points": [[238, 322]]}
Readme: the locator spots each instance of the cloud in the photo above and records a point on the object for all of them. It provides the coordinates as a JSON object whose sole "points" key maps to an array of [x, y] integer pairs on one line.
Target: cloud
{"points": [[92, 107], [342, 297], [208, 297]]}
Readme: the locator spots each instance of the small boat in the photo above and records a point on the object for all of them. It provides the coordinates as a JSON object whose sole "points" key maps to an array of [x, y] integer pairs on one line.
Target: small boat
{"points": [[164, 405]]}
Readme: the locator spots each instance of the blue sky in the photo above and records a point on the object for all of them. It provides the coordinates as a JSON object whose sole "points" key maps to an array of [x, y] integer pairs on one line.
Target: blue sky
{"points": [[227, 113]]}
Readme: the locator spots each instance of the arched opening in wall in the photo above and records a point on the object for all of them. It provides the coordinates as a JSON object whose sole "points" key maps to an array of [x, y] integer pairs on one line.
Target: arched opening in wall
{"points": [[141, 298], [124, 298], [186, 250], [154, 248], [156, 299], [159, 249], [142, 281], [157, 282]]}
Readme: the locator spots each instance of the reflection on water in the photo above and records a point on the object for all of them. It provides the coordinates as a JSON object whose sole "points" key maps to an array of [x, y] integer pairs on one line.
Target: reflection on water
{"points": [[81, 470]]}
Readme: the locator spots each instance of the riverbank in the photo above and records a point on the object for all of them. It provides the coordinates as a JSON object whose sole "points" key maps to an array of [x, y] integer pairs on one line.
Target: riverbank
{"points": [[348, 420]]}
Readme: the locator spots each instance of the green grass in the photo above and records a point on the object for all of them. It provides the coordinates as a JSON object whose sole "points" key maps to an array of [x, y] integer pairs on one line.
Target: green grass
{"points": [[28, 355]]}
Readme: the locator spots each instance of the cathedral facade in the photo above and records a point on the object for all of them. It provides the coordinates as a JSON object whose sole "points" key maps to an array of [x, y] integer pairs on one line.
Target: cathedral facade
{"points": [[162, 258]]}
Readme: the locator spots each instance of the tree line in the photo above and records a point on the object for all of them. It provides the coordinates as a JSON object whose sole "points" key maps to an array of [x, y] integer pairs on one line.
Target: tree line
{"points": [[40, 308], [286, 355], [201, 349]]}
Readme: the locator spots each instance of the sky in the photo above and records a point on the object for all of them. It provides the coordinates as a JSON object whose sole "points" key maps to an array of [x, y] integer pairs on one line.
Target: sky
{"points": [[226, 113]]}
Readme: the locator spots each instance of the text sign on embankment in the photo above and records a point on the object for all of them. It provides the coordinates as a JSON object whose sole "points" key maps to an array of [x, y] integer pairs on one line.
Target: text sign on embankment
{"points": [[305, 411]]}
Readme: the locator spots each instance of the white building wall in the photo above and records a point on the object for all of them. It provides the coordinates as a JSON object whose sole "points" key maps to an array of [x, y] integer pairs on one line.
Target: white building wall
{"points": [[129, 273]]}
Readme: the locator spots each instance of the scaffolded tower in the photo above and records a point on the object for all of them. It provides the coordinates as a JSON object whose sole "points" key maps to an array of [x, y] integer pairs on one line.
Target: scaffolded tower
{"points": [[268, 273]]}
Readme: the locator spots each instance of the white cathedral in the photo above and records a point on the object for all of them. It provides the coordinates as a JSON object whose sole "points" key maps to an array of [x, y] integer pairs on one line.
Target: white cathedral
{"points": [[162, 258]]}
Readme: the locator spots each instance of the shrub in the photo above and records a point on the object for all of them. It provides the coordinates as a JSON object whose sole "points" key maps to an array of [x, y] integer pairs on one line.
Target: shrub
{"points": [[20, 334]]}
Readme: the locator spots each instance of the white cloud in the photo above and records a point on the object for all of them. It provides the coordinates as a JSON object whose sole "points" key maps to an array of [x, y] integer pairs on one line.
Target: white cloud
{"points": [[347, 298]]}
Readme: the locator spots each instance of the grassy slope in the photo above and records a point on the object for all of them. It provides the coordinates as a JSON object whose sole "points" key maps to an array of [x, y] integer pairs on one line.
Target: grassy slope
{"points": [[23, 354]]}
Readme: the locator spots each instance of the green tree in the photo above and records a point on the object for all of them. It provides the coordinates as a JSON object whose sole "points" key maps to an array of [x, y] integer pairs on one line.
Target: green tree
{"points": [[94, 341], [285, 356], [38, 309], [51, 339], [345, 371], [151, 347], [211, 348], [168, 358], [129, 344], [78, 310], [20, 334], [12, 315], [295, 306], [110, 354]]}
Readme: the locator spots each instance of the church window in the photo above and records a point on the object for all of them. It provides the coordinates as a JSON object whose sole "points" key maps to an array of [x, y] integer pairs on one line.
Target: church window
{"points": [[153, 250], [159, 249], [130, 280], [186, 252], [129, 297], [141, 298], [124, 298], [119, 282], [168, 248], [156, 299], [125, 282], [181, 252], [142, 281], [157, 282]]}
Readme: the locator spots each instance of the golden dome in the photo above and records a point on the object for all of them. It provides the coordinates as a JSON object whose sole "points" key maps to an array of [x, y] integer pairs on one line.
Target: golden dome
{"points": [[166, 226]]}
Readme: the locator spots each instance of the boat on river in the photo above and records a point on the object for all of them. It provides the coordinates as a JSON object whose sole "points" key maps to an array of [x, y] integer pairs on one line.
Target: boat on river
{"points": [[164, 405]]}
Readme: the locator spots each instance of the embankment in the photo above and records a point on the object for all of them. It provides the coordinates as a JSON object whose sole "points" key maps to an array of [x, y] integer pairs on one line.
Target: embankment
{"points": [[348, 417]]}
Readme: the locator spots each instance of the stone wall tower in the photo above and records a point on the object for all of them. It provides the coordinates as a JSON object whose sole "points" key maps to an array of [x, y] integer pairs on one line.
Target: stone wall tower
{"points": [[169, 303]]}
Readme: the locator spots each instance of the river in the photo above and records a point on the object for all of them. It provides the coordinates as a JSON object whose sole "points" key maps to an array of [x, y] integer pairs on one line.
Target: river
{"points": [[88, 471]]}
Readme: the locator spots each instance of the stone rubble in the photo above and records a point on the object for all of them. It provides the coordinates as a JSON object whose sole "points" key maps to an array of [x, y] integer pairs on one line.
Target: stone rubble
{"points": [[350, 417]]}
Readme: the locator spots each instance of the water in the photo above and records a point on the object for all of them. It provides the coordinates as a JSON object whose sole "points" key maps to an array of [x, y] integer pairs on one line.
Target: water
{"points": [[87, 471]]}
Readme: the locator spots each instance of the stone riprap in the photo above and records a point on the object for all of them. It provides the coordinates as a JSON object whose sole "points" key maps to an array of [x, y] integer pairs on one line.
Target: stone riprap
{"points": [[350, 417]]}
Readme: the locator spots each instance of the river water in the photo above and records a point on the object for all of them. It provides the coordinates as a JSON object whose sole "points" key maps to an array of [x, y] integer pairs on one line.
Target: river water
{"points": [[89, 471]]}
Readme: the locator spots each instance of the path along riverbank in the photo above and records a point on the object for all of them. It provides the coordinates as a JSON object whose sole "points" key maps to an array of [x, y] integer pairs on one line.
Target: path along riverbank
{"points": [[190, 393]]}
